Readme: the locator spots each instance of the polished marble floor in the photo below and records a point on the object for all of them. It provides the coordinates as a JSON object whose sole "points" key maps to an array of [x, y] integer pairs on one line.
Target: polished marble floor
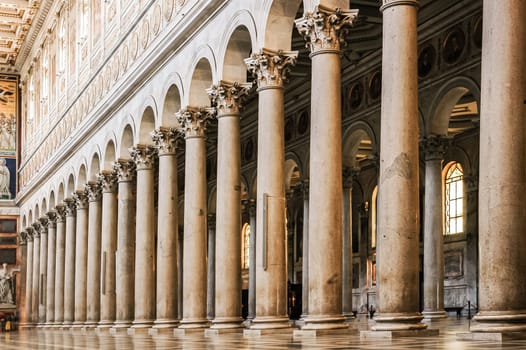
{"points": [[53, 339]]}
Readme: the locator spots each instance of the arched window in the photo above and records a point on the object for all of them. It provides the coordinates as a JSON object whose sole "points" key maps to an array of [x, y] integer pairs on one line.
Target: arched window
{"points": [[245, 247], [454, 196], [374, 207]]}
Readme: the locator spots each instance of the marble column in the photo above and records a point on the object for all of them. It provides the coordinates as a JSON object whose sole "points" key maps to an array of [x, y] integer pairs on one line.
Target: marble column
{"points": [[94, 194], [81, 258], [252, 261], [43, 271], [305, 253], [35, 296], [108, 181], [22, 300], [125, 255], [51, 260], [167, 140], [211, 268], [324, 29], [69, 264], [434, 148], [28, 321], [502, 209], [347, 307], [228, 98], [193, 123], [271, 68], [144, 306], [398, 205], [180, 269], [60, 258]]}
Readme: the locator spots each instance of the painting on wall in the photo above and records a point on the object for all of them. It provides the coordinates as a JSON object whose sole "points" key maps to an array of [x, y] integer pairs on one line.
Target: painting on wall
{"points": [[8, 136]]}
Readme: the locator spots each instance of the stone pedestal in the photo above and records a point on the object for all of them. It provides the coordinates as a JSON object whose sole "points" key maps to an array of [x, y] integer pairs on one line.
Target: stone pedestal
{"points": [[69, 270], [144, 308], [125, 254], [167, 140], [94, 193], [324, 29], [228, 98], [502, 209], [193, 123], [271, 263], [81, 259], [108, 180], [398, 208]]}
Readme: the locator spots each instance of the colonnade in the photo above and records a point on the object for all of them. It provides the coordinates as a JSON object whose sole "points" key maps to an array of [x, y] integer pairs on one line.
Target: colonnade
{"points": [[92, 260]]}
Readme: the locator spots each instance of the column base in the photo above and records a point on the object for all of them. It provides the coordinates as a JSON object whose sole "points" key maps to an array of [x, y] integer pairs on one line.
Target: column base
{"points": [[165, 323], [214, 332], [433, 315], [167, 331], [226, 323], [77, 324], [105, 324], [492, 336], [324, 322], [196, 323], [314, 333], [120, 327], [398, 322], [26, 326], [398, 334], [269, 322], [349, 317], [90, 324], [183, 332], [256, 333], [138, 331]]}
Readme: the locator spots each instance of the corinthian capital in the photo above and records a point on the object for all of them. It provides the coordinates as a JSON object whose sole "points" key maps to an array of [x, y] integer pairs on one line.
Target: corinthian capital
{"points": [[30, 232], [435, 146], [93, 191], [22, 237], [61, 212], [36, 229], [144, 156], [125, 169], [194, 120], [325, 28], [229, 97], [108, 181], [52, 219], [70, 207], [271, 67], [166, 140], [81, 199]]}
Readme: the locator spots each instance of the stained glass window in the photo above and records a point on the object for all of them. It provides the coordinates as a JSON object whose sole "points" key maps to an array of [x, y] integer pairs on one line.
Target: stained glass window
{"points": [[454, 199]]}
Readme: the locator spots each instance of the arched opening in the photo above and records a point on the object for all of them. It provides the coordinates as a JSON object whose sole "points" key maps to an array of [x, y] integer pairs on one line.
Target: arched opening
{"points": [[52, 202], [81, 179], [172, 105], [70, 186], [60, 196], [109, 156], [239, 48], [146, 127], [201, 80], [44, 207], [126, 142], [94, 168]]}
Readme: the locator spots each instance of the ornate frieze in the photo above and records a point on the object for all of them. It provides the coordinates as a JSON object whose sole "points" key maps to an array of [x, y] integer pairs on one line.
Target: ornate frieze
{"points": [[108, 181], [70, 207], [167, 140], [81, 199], [52, 219], [271, 67], [143, 156], [434, 146], [125, 170], [60, 210], [93, 191], [325, 28], [229, 97], [194, 121]]}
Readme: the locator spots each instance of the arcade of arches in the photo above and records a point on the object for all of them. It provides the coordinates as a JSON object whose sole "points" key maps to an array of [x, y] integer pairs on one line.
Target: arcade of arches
{"points": [[274, 166]]}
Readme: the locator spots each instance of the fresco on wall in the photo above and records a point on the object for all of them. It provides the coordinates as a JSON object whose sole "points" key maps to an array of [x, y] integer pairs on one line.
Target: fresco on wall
{"points": [[8, 136]]}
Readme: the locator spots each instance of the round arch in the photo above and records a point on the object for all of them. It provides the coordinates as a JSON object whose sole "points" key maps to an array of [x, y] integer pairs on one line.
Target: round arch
{"points": [[203, 74], [147, 123]]}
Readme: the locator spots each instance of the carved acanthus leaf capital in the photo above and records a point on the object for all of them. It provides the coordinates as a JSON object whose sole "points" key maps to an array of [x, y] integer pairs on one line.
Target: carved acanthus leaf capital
{"points": [[194, 121], [81, 199], [93, 191], [70, 207], [349, 175], [36, 229], [211, 221], [229, 97], [30, 232], [167, 140], [326, 28], [108, 181], [435, 146], [271, 67], [143, 156], [125, 169], [22, 237], [61, 212], [52, 219]]}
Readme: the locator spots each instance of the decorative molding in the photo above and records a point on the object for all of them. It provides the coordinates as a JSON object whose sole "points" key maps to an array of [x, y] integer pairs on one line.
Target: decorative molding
{"points": [[325, 29], [271, 67]]}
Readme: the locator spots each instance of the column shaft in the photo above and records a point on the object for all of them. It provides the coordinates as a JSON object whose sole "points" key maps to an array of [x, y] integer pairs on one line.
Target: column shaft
{"points": [[43, 272], [29, 280], [81, 259], [347, 306], [60, 265], [502, 209], [398, 208], [108, 248], [51, 260], [69, 270], [144, 307], [252, 262], [35, 296], [125, 255], [305, 253], [211, 271], [93, 190]]}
